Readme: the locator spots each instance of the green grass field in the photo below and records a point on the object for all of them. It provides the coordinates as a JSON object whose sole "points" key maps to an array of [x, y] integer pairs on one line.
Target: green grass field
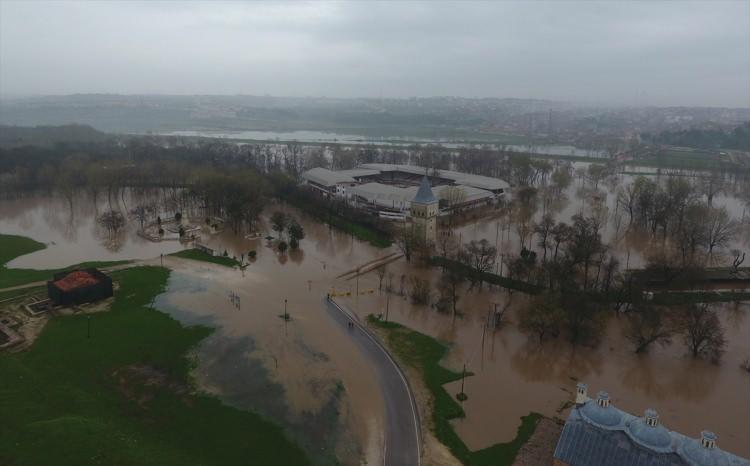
{"points": [[12, 246], [198, 255], [424, 354], [121, 397]]}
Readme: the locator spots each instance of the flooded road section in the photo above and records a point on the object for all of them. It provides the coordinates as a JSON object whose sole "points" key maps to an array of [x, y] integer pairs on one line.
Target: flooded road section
{"points": [[514, 374], [309, 375], [305, 372]]}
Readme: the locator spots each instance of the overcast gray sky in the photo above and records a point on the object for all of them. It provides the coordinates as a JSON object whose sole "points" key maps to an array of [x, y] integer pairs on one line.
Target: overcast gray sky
{"points": [[661, 53]]}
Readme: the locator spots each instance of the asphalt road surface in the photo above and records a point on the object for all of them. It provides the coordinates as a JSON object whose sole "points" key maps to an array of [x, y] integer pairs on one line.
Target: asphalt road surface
{"points": [[402, 437]]}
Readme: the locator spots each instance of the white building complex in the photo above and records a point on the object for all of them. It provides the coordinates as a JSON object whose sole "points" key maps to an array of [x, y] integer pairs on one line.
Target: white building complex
{"points": [[390, 190]]}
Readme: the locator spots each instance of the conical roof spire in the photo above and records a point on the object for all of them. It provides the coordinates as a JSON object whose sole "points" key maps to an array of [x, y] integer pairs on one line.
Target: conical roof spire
{"points": [[425, 194]]}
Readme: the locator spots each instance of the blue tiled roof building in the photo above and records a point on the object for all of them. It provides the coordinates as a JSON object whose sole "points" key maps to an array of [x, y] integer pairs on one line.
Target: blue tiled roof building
{"points": [[597, 434]]}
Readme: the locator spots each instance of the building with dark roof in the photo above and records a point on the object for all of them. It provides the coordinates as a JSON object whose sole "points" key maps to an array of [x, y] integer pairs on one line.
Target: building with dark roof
{"points": [[78, 287], [596, 434]]}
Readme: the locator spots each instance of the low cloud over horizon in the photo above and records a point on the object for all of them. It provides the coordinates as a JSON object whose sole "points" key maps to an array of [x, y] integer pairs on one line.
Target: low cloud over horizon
{"points": [[632, 53]]}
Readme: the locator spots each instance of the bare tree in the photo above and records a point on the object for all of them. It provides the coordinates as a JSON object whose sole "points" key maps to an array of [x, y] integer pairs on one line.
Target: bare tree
{"points": [[543, 230], [453, 196], [420, 291], [113, 221], [720, 229], [141, 212], [646, 326], [711, 186], [381, 274], [450, 285], [738, 257], [447, 245], [702, 331], [480, 256], [542, 316], [407, 240]]}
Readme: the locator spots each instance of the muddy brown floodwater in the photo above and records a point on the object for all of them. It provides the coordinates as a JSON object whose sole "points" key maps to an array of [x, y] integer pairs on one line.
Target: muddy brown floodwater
{"points": [[307, 374], [72, 235], [515, 375]]}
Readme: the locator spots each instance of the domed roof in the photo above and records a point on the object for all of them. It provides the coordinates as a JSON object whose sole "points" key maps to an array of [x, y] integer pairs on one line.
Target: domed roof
{"points": [[698, 455], [653, 436], [600, 413]]}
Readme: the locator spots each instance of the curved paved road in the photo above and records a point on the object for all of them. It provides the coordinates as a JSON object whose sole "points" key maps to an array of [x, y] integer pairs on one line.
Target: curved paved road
{"points": [[402, 436]]}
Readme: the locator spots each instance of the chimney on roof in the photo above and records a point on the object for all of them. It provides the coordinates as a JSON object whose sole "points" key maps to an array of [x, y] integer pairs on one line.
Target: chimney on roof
{"points": [[652, 417], [581, 397], [708, 439], [602, 399]]}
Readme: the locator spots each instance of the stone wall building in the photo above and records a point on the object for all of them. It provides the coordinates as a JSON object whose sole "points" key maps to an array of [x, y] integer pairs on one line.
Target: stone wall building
{"points": [[424, 211]]}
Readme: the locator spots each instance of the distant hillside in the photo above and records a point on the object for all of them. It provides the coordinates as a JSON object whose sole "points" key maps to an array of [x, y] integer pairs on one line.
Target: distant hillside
{"points": [[14, 136], [738, 138], [452, 118]]}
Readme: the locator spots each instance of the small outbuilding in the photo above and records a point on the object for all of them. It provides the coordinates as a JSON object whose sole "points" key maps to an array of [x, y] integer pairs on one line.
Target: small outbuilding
{"points": [[79, 286]]}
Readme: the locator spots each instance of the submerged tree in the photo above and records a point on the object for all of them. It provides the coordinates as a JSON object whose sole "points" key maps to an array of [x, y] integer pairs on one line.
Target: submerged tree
{"points": [[450, 284], [296, 233], [113, 221], [646, 326], [420, 291], [381, 271], [480, 257], [720, 229], [542, 317], [408, 240], [279, 222], [702, 331]]}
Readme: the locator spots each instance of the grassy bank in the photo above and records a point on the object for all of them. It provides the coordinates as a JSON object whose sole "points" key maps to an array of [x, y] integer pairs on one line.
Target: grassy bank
{"points": [[424, 354], [122, 396], [198, 255], [12, 246]]}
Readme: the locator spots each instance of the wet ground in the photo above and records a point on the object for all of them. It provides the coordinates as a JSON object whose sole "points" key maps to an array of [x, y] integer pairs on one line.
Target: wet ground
{"points": [[307, 374]]}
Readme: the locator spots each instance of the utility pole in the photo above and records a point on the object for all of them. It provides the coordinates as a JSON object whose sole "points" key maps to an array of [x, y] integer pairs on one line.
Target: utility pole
{"points": [[462, 395], [387, 305], [286, 318]]}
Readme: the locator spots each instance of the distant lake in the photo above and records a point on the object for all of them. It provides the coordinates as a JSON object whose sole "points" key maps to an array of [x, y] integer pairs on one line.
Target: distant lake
{"points": [[328, 137]]}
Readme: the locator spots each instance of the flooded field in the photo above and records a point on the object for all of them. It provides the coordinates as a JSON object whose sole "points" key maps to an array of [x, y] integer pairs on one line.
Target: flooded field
{"points": [[514, 374], [307, 374], [72, 235]]}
